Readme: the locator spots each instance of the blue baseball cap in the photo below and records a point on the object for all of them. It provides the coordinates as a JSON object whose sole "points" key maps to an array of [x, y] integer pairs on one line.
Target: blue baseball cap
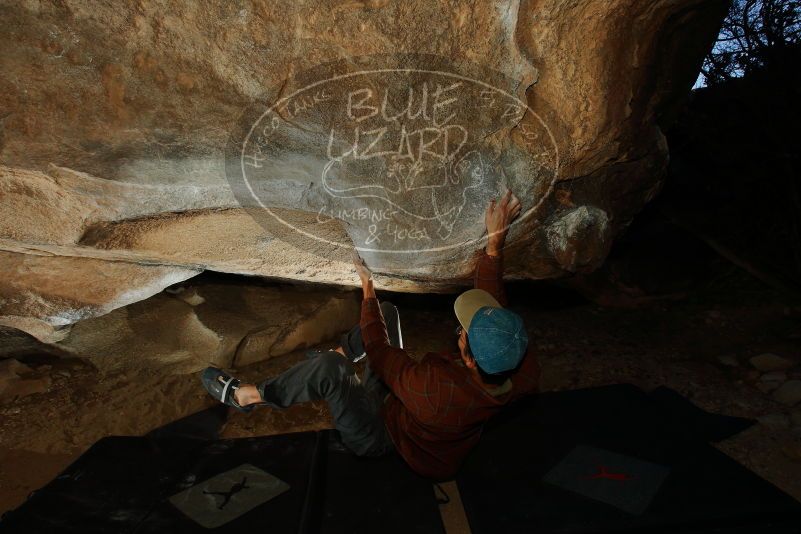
{"points": [[497, 336]]}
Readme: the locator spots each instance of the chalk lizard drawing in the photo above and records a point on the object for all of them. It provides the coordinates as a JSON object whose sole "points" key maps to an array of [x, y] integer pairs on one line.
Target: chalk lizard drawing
{"points": [[407, 184]]}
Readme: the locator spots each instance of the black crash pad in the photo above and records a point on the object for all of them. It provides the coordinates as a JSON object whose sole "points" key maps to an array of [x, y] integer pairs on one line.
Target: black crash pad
{"points": [[537, 465], [532, 471], [370, 495], [124, 485]]}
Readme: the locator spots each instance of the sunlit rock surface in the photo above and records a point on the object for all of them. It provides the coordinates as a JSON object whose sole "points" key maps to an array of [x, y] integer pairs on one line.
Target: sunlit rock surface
{"points": [[43, 294], [269, 138], [225, 325]]}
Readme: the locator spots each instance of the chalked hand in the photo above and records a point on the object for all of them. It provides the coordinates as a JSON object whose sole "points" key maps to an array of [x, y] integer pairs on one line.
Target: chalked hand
{"points": [[498, 218], [361, 268]]}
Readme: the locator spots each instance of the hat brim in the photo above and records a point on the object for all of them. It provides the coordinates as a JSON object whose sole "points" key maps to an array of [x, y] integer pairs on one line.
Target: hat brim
{"points": [[469, 302]]}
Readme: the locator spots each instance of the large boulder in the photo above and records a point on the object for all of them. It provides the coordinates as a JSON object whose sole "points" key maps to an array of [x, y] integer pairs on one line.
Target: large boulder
{"points": [[43, 295], [269, 138], [225, 325]]}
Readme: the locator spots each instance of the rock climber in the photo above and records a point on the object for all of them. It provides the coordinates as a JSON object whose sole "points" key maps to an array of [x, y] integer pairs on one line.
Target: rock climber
{"points": [[432, 411]]}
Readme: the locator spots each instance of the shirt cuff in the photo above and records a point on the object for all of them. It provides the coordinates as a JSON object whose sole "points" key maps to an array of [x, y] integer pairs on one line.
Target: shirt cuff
{"points": [[372, 324], [370, 303], [485, 255]]}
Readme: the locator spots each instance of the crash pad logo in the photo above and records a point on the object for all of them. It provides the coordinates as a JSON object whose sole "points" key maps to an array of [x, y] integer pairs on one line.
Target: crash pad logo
{"points": [[391, 154], [228, 495]]}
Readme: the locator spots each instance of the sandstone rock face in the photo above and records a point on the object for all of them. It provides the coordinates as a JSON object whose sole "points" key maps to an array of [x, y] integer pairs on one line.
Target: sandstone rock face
{"points": [[42, 294], [270, 138], [233, 326], [15, 383]]}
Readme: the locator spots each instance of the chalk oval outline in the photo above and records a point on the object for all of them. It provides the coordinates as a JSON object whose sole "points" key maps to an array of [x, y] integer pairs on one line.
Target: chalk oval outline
{"points": [[528, 213]]}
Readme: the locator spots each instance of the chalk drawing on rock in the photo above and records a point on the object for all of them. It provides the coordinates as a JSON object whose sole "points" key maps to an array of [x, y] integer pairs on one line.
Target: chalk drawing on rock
{"points": [[404, 151]]}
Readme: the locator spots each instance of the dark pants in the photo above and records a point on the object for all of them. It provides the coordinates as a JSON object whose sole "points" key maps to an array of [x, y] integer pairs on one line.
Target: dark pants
{"points": [[354, 403]]}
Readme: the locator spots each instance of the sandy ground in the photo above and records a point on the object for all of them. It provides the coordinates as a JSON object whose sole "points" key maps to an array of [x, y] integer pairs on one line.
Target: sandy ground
{"points": [[580, 345]]}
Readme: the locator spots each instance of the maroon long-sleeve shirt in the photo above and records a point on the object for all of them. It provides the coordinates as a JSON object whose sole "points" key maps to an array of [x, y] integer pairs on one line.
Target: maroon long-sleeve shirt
{"points": [[436, 411]]}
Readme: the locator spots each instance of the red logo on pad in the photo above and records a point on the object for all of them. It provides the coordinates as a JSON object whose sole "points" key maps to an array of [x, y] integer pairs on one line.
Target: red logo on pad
{"points": [[604, 473]]}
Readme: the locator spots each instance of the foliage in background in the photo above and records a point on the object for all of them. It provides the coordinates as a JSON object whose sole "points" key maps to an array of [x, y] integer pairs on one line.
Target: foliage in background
{"points": [[756, 35]]}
